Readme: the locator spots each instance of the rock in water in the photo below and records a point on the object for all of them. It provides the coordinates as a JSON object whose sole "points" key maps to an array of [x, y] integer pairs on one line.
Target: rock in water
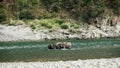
{"points": [[60, 45]]}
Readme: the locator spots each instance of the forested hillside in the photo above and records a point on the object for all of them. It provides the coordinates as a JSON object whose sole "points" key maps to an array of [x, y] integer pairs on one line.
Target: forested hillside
{"points": [[80, 10]]}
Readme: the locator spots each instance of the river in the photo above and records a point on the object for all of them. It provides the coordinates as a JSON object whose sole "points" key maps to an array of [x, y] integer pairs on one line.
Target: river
{"points": [[38, 51]]}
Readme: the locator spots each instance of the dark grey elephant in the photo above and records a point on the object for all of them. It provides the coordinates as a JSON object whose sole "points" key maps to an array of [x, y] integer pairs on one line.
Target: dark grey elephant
{"points": [[60, 45], [51, 46]]}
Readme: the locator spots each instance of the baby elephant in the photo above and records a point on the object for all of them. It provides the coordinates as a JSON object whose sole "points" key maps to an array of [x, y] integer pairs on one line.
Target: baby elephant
{"points": [[60, 45]]}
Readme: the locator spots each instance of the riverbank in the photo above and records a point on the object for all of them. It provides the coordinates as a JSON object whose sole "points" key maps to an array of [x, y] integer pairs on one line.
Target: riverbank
{"points": [[24, 33], [105, 28], [90, 63]]}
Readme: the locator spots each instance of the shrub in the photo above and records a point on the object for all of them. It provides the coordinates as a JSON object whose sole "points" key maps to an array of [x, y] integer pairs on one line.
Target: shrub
{"points": [[46, 25], [26, 15], [2, 18], [2, 14], [75, 26], [64, 26], [33, 27], [51, 30], [72, 31], [12, 24], [52, 5], [59, 21]]}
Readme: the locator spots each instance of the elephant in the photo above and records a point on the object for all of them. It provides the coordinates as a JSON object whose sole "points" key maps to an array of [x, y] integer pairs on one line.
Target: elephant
{"points": [[51, 46], [60, 45]]}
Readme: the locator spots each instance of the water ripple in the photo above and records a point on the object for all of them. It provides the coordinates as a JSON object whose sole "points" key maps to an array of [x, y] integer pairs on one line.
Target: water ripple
{"points": [[20, 47]]}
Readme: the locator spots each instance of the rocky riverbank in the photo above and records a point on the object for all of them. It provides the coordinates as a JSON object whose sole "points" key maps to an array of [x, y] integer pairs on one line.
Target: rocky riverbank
{"points": [[91, 63], [107, 28]]}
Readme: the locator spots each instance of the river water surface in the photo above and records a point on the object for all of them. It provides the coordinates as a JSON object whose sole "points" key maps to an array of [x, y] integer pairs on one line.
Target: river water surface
{"points": [[38, 51]]}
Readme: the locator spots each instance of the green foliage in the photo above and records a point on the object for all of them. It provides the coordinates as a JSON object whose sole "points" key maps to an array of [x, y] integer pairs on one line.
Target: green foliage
{"points": [[82, 10], [12, 24], [2, 13], [34, 2], [50, 30], [53, 5], [33, 27], [47, 16], [21, 3], [25, 14], [71, 31], [47, 2], [59, 21], [2, 17], [47, 25], [114, 5], [75, 26], [64, 26], [92, 12]]}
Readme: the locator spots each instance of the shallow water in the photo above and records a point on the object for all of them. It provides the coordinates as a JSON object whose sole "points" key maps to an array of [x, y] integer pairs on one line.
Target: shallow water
{"points": [[37, 50]]}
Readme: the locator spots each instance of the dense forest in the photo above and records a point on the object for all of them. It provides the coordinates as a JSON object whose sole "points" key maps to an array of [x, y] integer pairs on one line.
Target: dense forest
{"points": [[80, 10]]}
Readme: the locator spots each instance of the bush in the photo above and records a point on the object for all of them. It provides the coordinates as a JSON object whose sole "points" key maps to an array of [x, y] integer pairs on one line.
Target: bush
{"points": [[46, 25], [59, 21], [33, 27], [52, 5], [13, 22], [26, 15], [64, 26], [2, 14], [45, 16], [75, 26], [50, 30], [72, 31], [2, 18], [91, 12]]}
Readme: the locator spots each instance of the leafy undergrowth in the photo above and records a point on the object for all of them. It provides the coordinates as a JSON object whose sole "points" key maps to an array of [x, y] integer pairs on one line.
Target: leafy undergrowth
{"points": [[53, 23]]}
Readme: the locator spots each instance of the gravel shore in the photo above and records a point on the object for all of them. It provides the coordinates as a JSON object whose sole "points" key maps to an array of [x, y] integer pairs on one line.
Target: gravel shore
{"points": [[91, 63]]}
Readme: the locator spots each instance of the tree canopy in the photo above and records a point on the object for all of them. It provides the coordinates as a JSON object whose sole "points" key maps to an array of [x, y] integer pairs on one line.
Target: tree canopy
{"points": [[82, 10]]}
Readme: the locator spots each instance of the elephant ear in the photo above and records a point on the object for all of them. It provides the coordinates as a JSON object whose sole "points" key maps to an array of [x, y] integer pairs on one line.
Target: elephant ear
{"points": [[51, 46]]}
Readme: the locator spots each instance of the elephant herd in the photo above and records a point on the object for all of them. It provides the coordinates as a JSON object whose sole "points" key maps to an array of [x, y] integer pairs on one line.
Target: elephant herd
{"points": [[60, 45]]}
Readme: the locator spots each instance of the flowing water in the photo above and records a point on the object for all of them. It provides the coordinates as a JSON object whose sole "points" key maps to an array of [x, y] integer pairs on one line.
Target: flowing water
{"points": [[38, 51]]}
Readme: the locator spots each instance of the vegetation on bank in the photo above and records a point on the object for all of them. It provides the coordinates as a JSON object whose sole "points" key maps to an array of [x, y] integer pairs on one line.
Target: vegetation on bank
{"points": [[54, 13], [54, 23]]}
